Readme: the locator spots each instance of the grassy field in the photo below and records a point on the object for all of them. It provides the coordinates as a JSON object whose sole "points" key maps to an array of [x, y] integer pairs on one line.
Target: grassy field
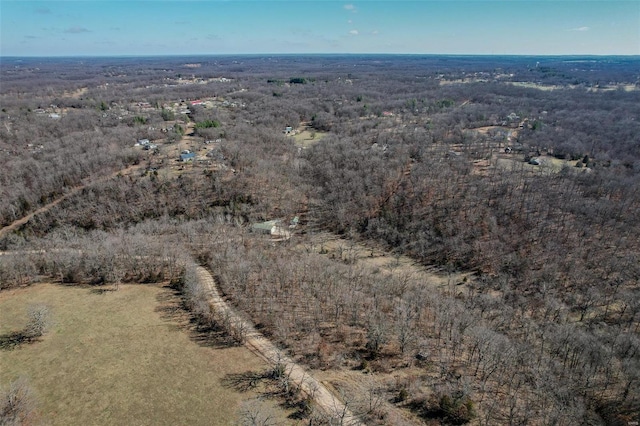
{"points": [[122, 357], [307, 137], [549, 164]]}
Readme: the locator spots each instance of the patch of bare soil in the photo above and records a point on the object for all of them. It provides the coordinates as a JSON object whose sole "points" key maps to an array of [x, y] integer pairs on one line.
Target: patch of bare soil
{"points": [[76, 93]]}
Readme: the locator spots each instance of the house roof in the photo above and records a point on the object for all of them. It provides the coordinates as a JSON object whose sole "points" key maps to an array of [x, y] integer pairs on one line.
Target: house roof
{"points": [[264, 226], [188, 156]]}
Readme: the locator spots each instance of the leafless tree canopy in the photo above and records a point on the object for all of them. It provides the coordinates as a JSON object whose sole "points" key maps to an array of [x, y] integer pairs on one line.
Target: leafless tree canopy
{"points": [[516, 182]]}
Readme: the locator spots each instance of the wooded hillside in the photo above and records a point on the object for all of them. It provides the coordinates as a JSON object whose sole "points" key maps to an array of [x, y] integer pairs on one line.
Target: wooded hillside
{"points": [[515, 183]]}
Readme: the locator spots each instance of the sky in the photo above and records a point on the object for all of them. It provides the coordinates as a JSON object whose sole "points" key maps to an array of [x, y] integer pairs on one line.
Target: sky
{"points": [[210, 27]]}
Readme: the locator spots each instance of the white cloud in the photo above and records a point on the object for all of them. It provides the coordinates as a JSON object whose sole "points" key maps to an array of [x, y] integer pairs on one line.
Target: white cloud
{"points": [[580, 29], [353, 32], [349, 21], [350, 7], [374, 32]]}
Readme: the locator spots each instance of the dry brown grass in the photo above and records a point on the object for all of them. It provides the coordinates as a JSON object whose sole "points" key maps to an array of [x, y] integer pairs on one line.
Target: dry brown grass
{"points": [[549, 164], [307, 137], [123, 357], [376, 258]]}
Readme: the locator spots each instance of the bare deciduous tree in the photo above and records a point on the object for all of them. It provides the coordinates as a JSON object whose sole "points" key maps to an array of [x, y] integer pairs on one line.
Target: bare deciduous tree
{"points": [[17, 404], [39, 321], [256, 412]]}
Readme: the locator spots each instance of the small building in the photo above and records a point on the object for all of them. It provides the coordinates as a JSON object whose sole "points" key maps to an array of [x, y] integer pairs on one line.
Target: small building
{"points": [[273, 228], [187, 157], [264, 227], [280, 233], [288, 130], [197, 102]]}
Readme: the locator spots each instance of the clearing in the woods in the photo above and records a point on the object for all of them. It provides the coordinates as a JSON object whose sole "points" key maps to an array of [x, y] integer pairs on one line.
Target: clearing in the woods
{"points": [[129, 356]]}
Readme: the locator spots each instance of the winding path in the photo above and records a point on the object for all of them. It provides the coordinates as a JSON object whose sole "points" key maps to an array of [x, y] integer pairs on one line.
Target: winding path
{"points": [[72, 191], [254, 340], [263, 347], [185, 141]]}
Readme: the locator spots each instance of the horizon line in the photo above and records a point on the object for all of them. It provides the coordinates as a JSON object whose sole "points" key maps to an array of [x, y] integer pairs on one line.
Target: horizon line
{"points": [[176, 55]]}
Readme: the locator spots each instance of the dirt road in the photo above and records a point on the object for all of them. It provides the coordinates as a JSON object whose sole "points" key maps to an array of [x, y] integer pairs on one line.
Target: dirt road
{"points": [[261, 346], [17, 223]]}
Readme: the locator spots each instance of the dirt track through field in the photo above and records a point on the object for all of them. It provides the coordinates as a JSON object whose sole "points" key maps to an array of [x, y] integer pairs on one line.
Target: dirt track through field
{"points": [[19, 222], [72, 191], [263, 347]]}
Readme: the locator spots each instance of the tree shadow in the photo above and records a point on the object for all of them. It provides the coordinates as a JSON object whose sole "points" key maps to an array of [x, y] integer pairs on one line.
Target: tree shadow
{"points": [[268, 384], [171, 308], [302, 409], [102, 290], [243, 382], [15, 339]]}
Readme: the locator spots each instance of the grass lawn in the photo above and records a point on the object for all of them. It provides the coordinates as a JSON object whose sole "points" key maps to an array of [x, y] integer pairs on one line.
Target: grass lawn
{"points": [[122, 357], [549, 164], [308, 137]]}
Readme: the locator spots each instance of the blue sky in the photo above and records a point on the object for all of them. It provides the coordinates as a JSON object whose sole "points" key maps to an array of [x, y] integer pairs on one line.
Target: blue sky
{"points": [[175, 27]]}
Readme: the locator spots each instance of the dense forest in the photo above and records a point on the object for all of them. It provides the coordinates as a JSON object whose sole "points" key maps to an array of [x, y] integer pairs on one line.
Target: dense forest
{"points": [[515, 179]]}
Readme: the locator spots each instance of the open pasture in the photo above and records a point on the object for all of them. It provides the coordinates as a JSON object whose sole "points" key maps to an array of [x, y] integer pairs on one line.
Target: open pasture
{"points": [[129, 356]]}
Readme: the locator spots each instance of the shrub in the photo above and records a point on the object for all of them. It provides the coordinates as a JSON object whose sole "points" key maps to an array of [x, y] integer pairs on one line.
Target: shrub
{"points": [[207, 124], [139, 120], [167, 115], [456, 408], [453, 407], [403, 395]]}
